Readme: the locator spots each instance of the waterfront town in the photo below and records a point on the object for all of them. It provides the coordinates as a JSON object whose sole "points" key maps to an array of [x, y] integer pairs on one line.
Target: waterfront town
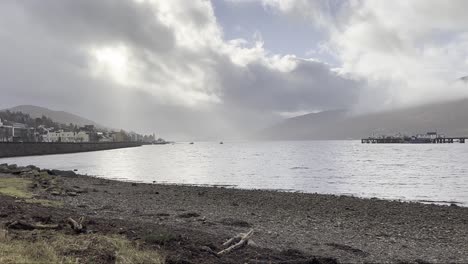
{"points": [[45, 130]]}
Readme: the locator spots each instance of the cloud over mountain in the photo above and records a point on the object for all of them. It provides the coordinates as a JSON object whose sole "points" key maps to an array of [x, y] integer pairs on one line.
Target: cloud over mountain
{"points": [[151, 64]]}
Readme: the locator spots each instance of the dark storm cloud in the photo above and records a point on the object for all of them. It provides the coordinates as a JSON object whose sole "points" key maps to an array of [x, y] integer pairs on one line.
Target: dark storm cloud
{"points": [[99, 22], [46, 60], [311, 85]]}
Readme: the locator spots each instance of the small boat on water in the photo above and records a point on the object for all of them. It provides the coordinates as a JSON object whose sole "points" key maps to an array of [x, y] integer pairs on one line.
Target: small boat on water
{"points": [[191, 143], [221, 143]]}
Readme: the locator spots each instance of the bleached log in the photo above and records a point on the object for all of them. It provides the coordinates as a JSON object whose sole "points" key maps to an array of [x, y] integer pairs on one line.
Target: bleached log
{"points": [[233, 240], [77, 226], [244, 240]]}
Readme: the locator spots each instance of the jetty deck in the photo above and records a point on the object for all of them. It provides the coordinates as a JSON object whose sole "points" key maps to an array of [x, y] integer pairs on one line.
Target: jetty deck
{"points": [[412, 140]]}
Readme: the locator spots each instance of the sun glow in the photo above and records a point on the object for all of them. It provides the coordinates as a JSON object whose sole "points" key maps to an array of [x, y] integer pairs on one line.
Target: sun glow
{"points": [[113, 62]]}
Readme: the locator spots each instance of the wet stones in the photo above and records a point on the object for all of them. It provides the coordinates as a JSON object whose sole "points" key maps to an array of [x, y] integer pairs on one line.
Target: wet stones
{"points": [[12, 167], [17, 170], [4, 168], [62, 173]]}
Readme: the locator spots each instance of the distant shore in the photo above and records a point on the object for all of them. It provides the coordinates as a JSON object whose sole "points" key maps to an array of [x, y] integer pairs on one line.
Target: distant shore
{"points": [[290, 227]]}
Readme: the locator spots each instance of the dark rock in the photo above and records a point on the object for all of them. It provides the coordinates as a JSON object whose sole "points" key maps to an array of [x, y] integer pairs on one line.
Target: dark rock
{"points": [[4, 169], [162, 214], [32, 167], [189, 215], [25, 169], [12, 166], [62, 173]]}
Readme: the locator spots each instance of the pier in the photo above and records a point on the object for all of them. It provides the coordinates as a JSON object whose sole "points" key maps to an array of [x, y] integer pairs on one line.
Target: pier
{"points": [[428, 138], [373, 140]]}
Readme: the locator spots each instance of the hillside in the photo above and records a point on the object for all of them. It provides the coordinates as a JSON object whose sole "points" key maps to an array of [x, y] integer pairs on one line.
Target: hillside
{"points": [[56, 116], [449, 118]]}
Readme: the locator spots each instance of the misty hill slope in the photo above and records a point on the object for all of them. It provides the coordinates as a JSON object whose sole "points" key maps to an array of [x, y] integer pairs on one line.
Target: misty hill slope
{"points": [[450, 118], [56, 116]]}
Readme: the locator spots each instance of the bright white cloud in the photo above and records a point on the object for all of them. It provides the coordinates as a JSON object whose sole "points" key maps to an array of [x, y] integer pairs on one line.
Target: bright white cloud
{"points": [[409, 52]]}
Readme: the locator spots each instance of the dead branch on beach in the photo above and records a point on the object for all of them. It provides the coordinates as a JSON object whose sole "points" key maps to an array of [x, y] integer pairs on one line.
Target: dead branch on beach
{"points": [[77, 226], [243, 239], [21, 225]]}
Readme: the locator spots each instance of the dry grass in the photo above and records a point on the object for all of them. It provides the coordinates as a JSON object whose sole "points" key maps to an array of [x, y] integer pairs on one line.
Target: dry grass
{"points": [[19, 188], [60, 248], [16, 187]]}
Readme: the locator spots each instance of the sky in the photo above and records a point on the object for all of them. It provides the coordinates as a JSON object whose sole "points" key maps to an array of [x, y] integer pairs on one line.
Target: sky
{"points": [[204, 69]]}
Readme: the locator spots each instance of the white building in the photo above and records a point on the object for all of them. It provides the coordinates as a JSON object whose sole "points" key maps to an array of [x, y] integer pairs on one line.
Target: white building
{"points": [[81, 137], [70, 137]]}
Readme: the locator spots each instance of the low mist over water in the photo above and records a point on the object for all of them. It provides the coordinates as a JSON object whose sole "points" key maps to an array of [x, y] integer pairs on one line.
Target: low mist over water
{"points": [[428, 172]]}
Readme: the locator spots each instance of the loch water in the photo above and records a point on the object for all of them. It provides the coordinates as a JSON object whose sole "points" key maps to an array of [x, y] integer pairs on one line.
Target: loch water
{"points": [[432, 173]]}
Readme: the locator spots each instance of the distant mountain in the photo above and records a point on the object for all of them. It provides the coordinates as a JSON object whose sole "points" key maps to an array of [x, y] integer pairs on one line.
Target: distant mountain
{"points": [[56, 116], [449, 118]]}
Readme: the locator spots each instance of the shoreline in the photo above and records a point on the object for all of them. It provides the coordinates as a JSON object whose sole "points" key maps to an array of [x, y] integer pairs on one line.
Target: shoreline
{"points": [[234, 187], [326, 227]]}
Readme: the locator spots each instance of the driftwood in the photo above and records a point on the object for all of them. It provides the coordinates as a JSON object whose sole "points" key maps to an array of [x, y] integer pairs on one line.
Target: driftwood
{"points": [[242, 239], [21, 225], [77, 226], [209, 250]]}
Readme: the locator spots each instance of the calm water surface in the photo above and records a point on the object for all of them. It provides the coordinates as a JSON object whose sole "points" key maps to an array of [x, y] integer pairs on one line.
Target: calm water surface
{"points": [[426, 172]]}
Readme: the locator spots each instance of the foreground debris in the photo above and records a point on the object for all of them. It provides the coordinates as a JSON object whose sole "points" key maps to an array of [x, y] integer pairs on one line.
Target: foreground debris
{"points": [[190, 224], [26, 223]]}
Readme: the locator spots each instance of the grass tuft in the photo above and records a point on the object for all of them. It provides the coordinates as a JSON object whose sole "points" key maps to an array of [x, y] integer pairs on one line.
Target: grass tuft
{"points": [[20, 188], [16, 187], [61, 248]]}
